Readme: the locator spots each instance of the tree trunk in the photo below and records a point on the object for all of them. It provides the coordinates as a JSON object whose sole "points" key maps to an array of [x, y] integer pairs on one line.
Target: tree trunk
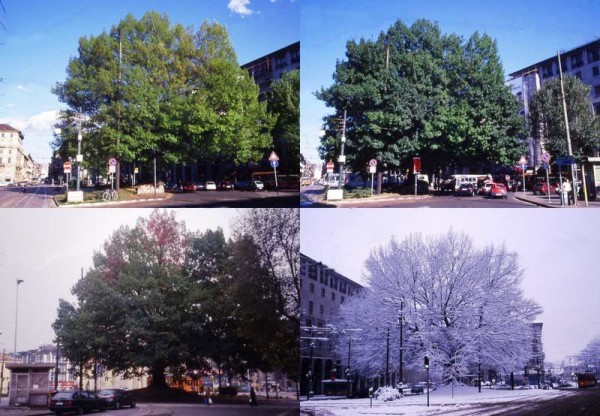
{"points": [[158, 377]]}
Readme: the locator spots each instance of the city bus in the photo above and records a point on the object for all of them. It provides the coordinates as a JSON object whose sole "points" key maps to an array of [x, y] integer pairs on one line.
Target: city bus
{"points": [[455, 181], [586, 380]]}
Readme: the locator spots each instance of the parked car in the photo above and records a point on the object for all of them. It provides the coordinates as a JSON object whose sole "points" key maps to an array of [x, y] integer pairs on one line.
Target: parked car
{"points": [[226, 185], [503, 387], [498, 190], [542, 188], [76, 401], [201, 186], [117, 398], [417, 389], [485, 189], [211, 186], [257, 186], [466, 189], [189, 187]]}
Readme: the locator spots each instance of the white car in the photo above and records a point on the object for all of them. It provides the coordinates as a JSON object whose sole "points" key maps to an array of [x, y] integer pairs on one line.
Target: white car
{"points": [[259, 186], [211, 186]]}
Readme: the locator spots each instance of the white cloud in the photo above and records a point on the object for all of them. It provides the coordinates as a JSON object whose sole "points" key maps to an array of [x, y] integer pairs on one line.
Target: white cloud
{"points": [[240, 7], [41, 121], [27, 88]]}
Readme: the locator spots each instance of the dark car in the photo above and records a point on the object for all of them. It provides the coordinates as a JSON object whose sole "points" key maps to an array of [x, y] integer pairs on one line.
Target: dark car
{"points": [[76, 401], [117, 398], [417, 389], [467, 189], [542, 188], [226, 185]]}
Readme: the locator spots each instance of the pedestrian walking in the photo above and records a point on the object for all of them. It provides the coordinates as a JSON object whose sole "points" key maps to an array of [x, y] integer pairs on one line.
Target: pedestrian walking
{"points": [[253, 397], [565, 190], [207, 399]]}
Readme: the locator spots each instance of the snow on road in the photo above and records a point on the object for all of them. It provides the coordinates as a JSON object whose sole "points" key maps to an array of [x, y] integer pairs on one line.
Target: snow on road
{"points": [[466, 401]]}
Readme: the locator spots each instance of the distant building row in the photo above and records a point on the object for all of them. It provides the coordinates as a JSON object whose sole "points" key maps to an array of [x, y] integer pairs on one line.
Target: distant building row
{"points": [[15, 164]]}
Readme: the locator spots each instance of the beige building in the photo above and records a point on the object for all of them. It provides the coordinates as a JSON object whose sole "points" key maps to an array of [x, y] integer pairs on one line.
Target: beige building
{"points": [[15, 164]]}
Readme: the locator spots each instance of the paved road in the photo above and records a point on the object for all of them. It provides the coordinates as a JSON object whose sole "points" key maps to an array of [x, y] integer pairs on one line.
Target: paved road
{"points": [[229, 199], [35, 197], [312, 193]]}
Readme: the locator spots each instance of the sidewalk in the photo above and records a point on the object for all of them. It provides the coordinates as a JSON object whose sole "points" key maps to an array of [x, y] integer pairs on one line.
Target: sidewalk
{"points": [[554, 202], [6, 410]]}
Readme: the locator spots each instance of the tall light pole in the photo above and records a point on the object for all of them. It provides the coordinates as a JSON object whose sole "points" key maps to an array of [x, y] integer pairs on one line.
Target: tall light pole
{"points": [[19, 281], [342, 158], [401, 322], [569, 148], [79, 155]]}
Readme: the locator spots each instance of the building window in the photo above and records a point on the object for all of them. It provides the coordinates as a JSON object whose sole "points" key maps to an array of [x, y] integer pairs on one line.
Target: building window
{"points": [[595, 71], [597, 90], [597, 109], [9, 151], [312, 288], [309, 322], [332, 293], [342, 299], [578, 75], [547, 71], [295, 57], [577, 61], [322, 292], [593, 55], [310, 308], [322, 309], [9, 160]]}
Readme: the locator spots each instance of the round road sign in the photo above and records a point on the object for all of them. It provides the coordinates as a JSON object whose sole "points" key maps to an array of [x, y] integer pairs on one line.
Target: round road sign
{"points": [[545, 157], [373, 162], [112, 162]]}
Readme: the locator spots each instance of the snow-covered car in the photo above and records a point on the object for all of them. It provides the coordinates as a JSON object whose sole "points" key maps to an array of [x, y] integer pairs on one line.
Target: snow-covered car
{"points": [[417, 389], [503, 387], [387, 394]]}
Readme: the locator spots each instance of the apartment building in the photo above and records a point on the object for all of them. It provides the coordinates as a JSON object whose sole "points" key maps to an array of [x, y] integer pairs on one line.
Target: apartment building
{"points": [[322, 292], [15, 164], [582, 62]]}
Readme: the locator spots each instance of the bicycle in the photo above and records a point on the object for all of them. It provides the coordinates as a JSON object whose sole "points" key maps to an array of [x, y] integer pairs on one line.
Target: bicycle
{"points": [[110, 195]]}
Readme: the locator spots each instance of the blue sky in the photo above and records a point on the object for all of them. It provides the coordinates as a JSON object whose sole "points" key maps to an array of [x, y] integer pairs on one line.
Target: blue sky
{"points": [[526, 31], [42, 35]]}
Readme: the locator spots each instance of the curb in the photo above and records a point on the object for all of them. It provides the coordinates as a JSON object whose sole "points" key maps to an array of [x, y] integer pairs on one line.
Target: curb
{"points": [[375, 200], [105, 204]]}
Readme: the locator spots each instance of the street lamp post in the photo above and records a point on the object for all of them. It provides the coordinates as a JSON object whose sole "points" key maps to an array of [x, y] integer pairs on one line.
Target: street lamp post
{"points": [[401, 322], [19, 281], [387, 358], [342, 158], [79, 155]]}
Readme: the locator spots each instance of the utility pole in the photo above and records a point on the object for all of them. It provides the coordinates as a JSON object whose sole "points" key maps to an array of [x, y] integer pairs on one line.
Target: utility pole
{"points": [[118, 155], [19, 281], [387, 358], [342, 158], [2, 373], [401, 321], [569, 148]]}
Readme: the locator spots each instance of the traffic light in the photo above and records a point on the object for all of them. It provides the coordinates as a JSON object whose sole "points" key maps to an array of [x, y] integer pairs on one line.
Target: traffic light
{"points": [[426, 361]]}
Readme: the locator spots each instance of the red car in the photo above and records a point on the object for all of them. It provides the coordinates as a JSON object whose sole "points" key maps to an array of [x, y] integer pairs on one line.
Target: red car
{"points": [[542, 188], [189, 187], [498, 190]]}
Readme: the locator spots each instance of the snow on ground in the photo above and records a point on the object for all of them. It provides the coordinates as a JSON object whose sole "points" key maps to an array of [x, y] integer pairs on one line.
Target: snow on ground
{"points": [[466, 401]]}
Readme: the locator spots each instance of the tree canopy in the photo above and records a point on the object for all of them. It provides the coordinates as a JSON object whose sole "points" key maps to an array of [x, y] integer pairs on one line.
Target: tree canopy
{"points": [[415, 91], [161, 298], [147, 88], [284, 102], [461, 305], [547, 118]]}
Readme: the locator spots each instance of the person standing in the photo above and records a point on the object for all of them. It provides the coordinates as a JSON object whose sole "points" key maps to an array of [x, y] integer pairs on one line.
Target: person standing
{"points": [[566, 189], [207, 399], [253, 397]]}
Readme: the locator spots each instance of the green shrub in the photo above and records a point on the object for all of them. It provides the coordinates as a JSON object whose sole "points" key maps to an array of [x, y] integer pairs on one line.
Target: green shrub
{"points": [[358, 193]]}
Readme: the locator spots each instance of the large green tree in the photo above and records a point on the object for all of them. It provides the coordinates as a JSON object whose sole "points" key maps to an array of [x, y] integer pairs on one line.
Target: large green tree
{"points": [[284, 102], [415, 91], [547, 118], [160, 298], [148, 88]]}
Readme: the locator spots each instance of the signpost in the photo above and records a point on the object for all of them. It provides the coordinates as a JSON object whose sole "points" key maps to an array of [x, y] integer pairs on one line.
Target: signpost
{"points": [[523, 166], [330, 167], [546, 160], [274, 160], [416, 169], [372, 170]]}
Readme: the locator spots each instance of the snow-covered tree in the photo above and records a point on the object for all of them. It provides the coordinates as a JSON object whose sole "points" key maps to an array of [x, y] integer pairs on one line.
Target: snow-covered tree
{"points": [[461, 305]]}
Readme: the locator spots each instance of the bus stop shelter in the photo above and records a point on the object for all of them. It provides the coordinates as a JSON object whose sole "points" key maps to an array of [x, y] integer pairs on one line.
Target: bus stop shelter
{"points": [[29, 384]]}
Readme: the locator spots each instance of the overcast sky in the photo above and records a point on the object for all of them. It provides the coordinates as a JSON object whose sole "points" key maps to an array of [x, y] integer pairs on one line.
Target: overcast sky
{"points": [[48, 248], [558, 249]]}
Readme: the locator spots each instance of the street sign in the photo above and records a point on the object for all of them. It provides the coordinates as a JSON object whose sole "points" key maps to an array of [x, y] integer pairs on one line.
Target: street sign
{"points": [[330, 167], [79, 158], [67, 167], [112, 162], [373, 162], [112, 169], [546, 157], [546, 165], [372, 169], [273, 156], [523, 161], [274, 163], [416, 164], [523, 167], [565, 160]]}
